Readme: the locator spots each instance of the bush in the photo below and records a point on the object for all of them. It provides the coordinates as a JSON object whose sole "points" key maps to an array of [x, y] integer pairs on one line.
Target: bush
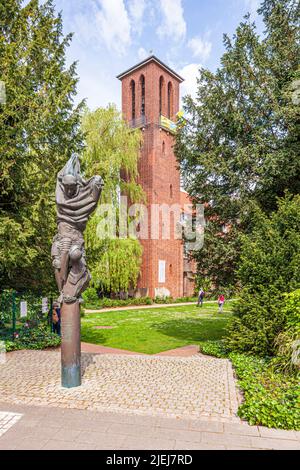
{"points": [[38, 337], [5, 307], [269, 267], [214, 348], [90, 295], [111, 303], [105, 302], [270, 399], [286, 342]]}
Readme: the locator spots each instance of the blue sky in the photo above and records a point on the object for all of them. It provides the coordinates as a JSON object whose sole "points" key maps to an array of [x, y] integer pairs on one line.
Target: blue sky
{"points": [[112, 35]]}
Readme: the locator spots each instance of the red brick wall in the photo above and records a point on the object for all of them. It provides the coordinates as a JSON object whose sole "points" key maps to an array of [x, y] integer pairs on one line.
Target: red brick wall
{"points": [[158, 174]]}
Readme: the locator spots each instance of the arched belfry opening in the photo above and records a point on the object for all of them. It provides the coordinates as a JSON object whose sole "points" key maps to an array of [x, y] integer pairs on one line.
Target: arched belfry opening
{"points": [[142, 90], [170, 100], [132, 91], [161, 94]]}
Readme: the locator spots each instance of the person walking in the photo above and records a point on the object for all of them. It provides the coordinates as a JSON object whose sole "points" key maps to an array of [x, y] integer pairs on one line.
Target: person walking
{"points": [[200, 297], [221, 300]]}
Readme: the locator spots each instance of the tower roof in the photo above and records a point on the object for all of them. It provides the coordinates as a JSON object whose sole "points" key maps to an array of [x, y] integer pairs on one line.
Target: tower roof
{"points": [[151, 58]]}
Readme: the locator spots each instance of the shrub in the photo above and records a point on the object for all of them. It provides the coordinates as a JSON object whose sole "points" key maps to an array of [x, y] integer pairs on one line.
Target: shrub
{"points": [[286, 342], [38, 337], [90, 295], [270, 399], [269, 267], [111, 303], [214, 348]]}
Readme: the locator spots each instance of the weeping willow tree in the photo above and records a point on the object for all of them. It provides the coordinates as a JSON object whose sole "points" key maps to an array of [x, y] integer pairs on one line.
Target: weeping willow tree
{"points": [[111, 150]]}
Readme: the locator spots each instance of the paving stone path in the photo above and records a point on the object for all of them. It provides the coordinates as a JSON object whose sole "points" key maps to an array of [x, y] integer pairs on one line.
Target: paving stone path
{"points": [[179, 387], [127, 402]]}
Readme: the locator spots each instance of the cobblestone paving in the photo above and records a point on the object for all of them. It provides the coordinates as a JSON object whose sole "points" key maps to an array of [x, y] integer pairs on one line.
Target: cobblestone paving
{"points": [[182, 387], [7, 420]]}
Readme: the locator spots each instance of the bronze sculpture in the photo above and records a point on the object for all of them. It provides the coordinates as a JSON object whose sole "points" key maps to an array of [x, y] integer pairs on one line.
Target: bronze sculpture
{"points": [[76, 199]]}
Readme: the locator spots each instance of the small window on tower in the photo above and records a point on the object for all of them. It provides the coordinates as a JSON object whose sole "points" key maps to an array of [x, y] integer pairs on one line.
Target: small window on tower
{"points": [[163, 148], [132, 88], [142, 84], [171, 190]]}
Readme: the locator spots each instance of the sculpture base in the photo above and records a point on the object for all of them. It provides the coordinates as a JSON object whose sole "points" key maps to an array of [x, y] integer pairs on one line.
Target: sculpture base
{"points": [[70, 345]]}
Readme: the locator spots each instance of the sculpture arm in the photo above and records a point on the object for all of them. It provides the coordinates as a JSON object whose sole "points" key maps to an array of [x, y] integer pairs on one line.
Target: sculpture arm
{"points": [[97, 187]]}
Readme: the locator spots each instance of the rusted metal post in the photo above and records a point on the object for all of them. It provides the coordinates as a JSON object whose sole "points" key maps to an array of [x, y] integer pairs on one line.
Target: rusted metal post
{"points": [[70, 345]]}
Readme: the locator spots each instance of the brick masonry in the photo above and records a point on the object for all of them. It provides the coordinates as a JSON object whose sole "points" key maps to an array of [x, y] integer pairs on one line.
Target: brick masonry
{"points": [[158, 175]]}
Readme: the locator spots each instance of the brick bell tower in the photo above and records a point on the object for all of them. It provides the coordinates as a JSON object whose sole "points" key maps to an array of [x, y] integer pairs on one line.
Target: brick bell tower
{"points": [[150, 101]]}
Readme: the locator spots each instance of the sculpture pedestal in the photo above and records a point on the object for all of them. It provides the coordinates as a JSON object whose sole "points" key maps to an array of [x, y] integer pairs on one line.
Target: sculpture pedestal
{"points": [[70, 345]]}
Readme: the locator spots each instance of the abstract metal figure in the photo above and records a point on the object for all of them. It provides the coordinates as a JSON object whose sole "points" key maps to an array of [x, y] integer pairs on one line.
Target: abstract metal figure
{"points": [[76, 199]]}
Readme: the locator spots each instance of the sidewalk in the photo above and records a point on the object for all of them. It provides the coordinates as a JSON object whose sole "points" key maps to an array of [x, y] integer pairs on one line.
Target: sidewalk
{"points": [[140, 307], [55, 429], [136, 307]]}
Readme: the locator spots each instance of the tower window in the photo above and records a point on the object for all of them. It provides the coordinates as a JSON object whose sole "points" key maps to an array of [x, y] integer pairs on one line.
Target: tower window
{"points": [[161, 84], [163, 148], [142, 83], [170, 100], [132, 87], [171, 190]]}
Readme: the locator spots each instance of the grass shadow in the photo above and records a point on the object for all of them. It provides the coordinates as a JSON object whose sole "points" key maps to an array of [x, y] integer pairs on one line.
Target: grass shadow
{"points": [[193, 329]]}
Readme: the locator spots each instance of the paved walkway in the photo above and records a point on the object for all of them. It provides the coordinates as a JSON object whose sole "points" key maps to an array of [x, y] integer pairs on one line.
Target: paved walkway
{"points": [[141, 307], [184, 351], [181, 387], [127, 402], [53, 429]]}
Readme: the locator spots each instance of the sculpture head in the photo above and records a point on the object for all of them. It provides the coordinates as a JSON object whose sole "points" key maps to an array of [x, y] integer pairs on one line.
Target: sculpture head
{"points": [[70, 185]]}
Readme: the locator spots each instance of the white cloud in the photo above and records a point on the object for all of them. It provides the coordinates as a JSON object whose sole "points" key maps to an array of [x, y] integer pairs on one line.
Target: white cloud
{"points": [[113, 25], [200, 48], [173, 23], [190, 73], [142, 53], [136, 11], [252, 6]]}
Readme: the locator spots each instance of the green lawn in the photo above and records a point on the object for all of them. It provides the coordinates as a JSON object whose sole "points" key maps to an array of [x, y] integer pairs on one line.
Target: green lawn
{"points": [[157, 329]]}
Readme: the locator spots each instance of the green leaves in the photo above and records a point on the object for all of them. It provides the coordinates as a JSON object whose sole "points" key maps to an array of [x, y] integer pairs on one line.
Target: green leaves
{"points": [[241, 144], [270, 399], [112, 151], [269, 267], [39, 128]]}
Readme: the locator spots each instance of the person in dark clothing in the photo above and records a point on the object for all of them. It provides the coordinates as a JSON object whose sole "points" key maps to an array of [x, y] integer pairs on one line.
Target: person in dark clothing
{"points": [[56, 317]]}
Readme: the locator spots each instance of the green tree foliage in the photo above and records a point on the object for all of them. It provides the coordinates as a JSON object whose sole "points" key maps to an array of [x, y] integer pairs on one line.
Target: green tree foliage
{"points": [[39, 128], [112, 150], [241, 141], [288, 341], [269, 268]]}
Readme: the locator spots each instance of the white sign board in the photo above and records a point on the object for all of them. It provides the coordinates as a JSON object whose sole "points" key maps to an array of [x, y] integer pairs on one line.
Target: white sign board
{"points": [[44, 305], [23, 308], [161, 271]]}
